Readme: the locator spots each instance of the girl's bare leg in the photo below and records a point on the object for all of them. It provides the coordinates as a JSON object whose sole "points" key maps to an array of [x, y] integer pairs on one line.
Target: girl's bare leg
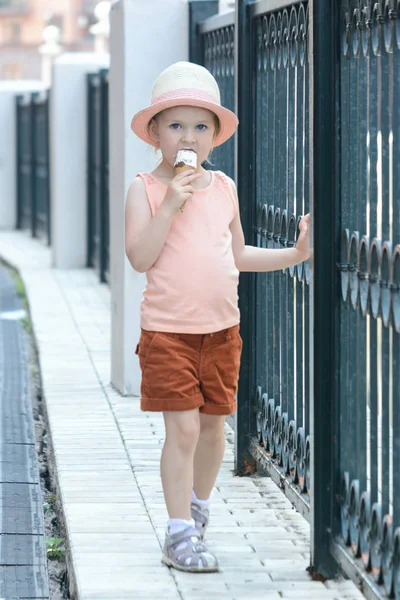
{"points": [[209, 454], [182, 434]]}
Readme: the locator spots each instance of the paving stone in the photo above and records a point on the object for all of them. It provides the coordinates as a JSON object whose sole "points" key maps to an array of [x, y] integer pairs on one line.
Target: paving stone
{"points": [[22, 582], [22, 550]]}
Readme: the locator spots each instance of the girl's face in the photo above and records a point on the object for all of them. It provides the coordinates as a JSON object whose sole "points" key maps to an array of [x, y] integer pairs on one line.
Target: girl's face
{"points": [[184, 128]]}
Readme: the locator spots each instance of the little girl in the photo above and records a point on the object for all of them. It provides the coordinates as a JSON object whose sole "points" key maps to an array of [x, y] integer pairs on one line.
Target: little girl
{"points": [[190, 346]]}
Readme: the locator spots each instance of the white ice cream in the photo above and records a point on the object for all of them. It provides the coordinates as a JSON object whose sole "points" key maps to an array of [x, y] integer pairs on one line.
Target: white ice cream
{"points": [[187, 157]]}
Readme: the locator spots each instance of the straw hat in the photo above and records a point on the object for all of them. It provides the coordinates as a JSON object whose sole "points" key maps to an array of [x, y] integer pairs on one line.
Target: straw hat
{"points": [[185, 84]]}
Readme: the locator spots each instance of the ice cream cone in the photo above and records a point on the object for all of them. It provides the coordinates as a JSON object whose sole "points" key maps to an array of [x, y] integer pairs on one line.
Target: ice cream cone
{"points": [[185, 160]]}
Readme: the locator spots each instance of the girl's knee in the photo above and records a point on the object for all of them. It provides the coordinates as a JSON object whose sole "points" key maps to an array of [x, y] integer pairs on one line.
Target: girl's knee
{"points": [[183, 429], [212, 427]]}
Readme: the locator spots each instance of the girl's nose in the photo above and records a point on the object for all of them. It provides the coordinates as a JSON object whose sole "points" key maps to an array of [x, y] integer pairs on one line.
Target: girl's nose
{"points": [[188, 135]]}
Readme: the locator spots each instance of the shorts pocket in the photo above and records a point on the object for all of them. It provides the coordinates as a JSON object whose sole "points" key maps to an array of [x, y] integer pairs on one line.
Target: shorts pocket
{"points": [[235, 340], [226, 356], [147, 343]]}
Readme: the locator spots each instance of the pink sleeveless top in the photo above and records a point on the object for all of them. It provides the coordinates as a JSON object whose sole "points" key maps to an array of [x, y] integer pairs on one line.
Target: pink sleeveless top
{"points": [[193, 285]]}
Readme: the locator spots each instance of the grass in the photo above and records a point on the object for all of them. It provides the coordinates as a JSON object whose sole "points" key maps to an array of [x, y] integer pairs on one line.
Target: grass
{"points": [[55, 548], [33, 369], [18, 283], [50, 505], [20, 288], [27, 325]]}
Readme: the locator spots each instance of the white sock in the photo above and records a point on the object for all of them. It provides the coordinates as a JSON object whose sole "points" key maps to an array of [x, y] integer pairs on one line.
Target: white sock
{"points": [[201, 503], [178, 525]]}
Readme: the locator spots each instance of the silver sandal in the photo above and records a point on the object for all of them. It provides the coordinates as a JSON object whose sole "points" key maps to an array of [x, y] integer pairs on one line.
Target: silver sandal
{"points": [[186, 552], [201, 518]]}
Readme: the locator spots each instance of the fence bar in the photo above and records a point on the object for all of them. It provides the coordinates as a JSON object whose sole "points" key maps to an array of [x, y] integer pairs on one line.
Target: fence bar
{"points": [[244, 174], [351, 567], [300, 501], [40, 165], [18, 158], [199, 10], [104, 178], [322, 303], [269, 6], [218, 21], [24, 169]]}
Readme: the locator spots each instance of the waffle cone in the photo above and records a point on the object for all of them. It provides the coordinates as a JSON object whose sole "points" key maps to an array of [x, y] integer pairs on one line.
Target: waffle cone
{"points": [[182, 168]]}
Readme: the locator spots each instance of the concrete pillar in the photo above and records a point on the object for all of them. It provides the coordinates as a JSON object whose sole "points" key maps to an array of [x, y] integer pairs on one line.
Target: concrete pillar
{"points": [[68, 153], [145, 38], [8, 148]]}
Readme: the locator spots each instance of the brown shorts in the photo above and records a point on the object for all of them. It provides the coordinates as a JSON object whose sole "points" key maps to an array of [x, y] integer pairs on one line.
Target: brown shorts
{"points": [[183, 371]]}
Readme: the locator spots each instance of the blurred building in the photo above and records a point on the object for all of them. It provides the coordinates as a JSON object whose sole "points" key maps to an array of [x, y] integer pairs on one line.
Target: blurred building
{"points": [[21, 27], [21, 31]]}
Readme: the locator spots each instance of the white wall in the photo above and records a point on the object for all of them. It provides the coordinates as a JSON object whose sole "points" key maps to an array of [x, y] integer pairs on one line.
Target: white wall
{"points": [[8, 148], [226, 5], [68, 153], [146, 37]]}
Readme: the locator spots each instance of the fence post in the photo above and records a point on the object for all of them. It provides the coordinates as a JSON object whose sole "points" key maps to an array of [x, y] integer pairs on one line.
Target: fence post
{"points": [[199, 10], [18, 159], [324, 296], [33, 164], [244, 463], [105, 200], [47, 159]]}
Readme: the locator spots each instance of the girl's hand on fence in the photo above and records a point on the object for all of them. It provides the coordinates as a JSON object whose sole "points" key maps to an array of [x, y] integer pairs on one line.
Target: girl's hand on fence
{"points": [[179, 190], [303, 242]]}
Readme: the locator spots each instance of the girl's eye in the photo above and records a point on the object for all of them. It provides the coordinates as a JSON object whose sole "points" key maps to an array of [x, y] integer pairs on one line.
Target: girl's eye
{"points": [[175, 126], [201, 127]]}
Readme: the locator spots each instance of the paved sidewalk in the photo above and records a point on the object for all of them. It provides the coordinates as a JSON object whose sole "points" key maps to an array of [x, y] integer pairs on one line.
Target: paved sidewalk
{"points": [[23, 560], [107, 461]]}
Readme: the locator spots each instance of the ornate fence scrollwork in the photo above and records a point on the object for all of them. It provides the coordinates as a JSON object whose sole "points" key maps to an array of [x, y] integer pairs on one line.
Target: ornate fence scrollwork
{"points": [[365, 478], [219, 48], [280, 115], [371, 273], [369, 281]]}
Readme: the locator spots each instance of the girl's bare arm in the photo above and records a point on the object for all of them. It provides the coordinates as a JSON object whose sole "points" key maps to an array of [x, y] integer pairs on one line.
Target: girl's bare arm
{"points": [[145, 235], [251, 258]]}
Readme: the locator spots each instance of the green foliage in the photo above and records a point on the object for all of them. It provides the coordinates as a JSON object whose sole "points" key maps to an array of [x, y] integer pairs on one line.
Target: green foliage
{"points": [[26, 322], [19, 286], [55, 548]]}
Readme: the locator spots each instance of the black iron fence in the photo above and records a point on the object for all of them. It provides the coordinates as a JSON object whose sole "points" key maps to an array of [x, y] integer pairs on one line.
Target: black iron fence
{"points": [[98, 173], [218, 42], [33, 168], [280, 194], [33, 172], [321, 353], [369, 314]]}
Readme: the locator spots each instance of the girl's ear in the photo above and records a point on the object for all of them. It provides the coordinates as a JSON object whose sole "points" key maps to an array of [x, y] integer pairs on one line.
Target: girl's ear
{"points": [[153, 131]]}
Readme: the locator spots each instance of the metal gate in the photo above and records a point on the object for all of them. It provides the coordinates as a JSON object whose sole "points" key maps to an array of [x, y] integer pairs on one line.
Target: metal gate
{"points": [[41, 167], [24, 161], [98, 173], [317, 92], [368, 322], [33, 171]]}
